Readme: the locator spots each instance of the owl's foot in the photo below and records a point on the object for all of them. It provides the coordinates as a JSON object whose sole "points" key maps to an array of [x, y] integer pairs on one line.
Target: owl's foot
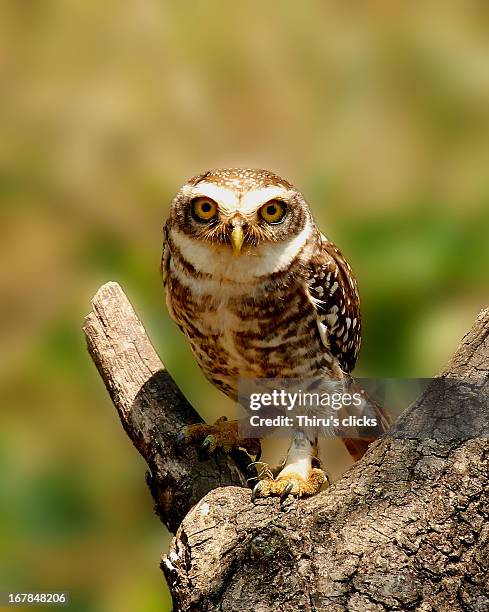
{"points": [[290, 484], [223, 434]]}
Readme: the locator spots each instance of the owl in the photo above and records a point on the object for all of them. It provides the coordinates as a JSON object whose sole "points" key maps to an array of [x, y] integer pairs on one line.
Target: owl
{"points": [[259, 292]]}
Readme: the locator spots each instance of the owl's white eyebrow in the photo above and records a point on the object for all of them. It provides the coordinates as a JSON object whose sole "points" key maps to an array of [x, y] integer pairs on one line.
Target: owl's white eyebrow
{"points": [[253, 199], [226, 198]]}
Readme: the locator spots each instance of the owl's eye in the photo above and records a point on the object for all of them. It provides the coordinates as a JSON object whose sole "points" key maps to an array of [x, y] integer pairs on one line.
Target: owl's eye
{"points": [[273, 211], [204, 209]]}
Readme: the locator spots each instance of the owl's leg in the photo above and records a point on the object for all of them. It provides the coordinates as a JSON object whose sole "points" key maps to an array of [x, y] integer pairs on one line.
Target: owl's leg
{"points": [[223, 434], [298, 476]]}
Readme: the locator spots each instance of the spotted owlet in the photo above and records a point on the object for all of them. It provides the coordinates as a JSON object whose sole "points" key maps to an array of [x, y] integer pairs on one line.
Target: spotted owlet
{"points": [[260, 293]]}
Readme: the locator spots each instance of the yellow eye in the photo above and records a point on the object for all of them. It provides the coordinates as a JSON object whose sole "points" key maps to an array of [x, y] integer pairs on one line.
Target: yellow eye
{"points": [[273, 211], [204, 209]]}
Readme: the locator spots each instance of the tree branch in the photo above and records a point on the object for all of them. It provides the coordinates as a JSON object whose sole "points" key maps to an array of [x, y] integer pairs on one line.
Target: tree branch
{"points": [[405, 529], [152, 409]]}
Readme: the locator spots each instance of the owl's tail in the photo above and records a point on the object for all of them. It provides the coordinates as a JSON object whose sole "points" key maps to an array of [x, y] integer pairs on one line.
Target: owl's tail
{"points": [[357, 446]]}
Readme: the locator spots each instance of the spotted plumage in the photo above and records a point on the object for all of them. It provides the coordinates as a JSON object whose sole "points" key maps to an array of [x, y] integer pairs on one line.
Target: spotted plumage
{"points": [[253, 284]]}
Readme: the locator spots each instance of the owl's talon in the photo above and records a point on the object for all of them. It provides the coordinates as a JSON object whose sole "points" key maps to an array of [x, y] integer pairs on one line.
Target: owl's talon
{"points": [[290, 484], [286, 492], [223, 434], [255, 491], [208, 445], [180, 439]]}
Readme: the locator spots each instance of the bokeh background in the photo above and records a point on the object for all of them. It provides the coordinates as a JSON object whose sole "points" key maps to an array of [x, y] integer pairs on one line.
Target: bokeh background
{"points": [[378, 111]]}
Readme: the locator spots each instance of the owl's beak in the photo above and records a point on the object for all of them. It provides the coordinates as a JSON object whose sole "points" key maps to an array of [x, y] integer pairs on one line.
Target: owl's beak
{"points": [[237, 239]]}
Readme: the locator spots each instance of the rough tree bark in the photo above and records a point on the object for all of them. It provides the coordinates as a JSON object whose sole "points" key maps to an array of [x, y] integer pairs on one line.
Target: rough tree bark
{"points": [[405, 529], [153, 410]]}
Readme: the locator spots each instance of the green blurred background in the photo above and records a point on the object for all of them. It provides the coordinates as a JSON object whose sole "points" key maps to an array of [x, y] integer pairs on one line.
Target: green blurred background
{"points": [[378, 111]]}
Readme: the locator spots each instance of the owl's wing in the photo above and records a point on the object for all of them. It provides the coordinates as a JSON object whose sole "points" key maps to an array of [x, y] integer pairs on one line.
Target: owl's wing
{"points": [[165, 259], [333, 291], [165, 268]]}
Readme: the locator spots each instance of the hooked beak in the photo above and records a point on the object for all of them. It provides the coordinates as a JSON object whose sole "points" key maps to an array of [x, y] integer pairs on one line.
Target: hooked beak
{"points": [[237, 239]]}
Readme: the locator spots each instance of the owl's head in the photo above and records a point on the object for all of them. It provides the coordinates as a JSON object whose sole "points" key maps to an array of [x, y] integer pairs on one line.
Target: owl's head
{"points": [[242, 212]]}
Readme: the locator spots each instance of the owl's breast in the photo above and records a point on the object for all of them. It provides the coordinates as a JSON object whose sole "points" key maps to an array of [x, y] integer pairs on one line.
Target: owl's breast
{"points": [[241, 332]]}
